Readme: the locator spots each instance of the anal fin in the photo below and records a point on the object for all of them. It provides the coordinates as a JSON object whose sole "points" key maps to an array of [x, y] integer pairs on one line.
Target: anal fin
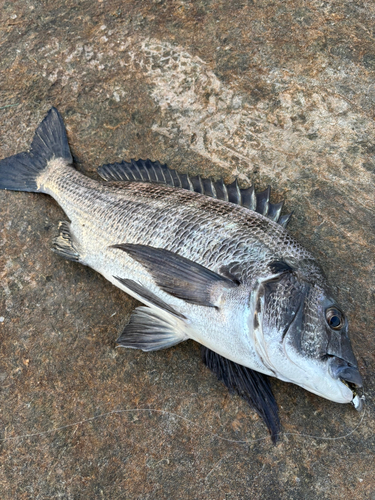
{"points": [[151, 329], [63, 244]]}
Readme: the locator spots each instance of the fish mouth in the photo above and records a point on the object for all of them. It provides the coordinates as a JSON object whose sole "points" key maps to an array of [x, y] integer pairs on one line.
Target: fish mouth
{"points": [[348, 375], [357, 400]]}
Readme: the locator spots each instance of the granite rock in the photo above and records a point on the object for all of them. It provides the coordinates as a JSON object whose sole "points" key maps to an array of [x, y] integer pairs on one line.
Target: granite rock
{"points": [[278, 93]]}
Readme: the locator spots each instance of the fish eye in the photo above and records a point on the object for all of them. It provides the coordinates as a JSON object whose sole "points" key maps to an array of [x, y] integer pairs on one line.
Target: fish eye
{"points": [[335, 318]]}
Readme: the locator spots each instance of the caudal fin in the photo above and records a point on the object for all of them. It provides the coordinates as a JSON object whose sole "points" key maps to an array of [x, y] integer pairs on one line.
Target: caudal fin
{"points": [[20, 172]]}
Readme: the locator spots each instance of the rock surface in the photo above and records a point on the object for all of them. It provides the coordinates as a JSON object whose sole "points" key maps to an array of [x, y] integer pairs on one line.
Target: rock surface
{"points": [[278, 93]]}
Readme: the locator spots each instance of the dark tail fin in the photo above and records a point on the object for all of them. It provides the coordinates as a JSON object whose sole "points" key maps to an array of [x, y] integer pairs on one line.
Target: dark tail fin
{"points": [[20, 172]]}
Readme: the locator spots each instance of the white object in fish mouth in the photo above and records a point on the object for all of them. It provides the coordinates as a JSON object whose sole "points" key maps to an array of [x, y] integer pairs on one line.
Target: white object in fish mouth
{"points": [[358, 402]]}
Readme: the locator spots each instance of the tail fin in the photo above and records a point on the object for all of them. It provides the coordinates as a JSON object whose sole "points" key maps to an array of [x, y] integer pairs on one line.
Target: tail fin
{"points": [[20, 172]]}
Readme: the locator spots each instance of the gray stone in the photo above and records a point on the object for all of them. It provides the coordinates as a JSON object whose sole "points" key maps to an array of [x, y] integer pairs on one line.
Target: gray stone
{"points": [[268, 92]]}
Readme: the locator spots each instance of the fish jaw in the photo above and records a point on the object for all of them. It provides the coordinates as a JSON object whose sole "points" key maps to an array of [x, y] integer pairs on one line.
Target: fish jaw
{"points": [[335, 390], [282, 360], [315, 376]]}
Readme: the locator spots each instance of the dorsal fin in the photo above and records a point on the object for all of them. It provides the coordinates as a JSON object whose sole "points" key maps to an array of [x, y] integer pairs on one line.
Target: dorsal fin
{"points": [[154, 171]]}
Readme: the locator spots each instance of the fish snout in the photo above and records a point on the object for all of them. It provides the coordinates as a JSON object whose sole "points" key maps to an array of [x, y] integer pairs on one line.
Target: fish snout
{"points": [[346, 372]]}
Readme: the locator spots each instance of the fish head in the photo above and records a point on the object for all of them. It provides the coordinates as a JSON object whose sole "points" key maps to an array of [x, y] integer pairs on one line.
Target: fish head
{"points": [[305, 337]]}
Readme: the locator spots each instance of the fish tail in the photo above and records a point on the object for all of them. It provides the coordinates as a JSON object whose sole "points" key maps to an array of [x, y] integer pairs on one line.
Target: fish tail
{"points": [[21, 171]]}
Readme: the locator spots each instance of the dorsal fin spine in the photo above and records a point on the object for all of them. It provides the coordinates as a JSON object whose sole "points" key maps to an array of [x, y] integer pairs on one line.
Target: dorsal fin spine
{"points": [[266, 208], [167, 176], [248, 198], [157, 170], [145, 172], [284, 220], [149, 171], [263, 199], [137, 170], [239, 194], [128, 173], [164, 173], [274, 210], [191, 187], [222, 191], [176, 179], [201, 184], [225, 190], [213, 189], [160, 174]]}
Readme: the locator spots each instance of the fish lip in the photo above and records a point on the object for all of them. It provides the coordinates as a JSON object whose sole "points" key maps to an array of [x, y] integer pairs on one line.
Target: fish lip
{"points": [[349, 376], [352, 385], [346, 372]]}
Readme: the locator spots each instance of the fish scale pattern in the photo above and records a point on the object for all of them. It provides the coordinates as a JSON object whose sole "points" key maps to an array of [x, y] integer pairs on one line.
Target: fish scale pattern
{"points": [[212, 232]]}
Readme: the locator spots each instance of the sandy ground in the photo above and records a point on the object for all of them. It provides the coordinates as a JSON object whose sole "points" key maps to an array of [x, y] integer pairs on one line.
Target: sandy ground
{"points": [[270, 92]]}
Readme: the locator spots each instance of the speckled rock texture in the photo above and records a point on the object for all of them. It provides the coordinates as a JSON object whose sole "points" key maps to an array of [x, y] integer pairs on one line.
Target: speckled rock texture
{"points": [[270, 92]]}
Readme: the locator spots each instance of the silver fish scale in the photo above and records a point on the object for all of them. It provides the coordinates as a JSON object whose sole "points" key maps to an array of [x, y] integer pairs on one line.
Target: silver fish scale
{"points": [[210, 232], [312, 342], [276, 316]]}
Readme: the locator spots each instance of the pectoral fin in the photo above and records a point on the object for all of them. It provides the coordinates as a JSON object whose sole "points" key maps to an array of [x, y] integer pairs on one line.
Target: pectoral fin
{"points": [[151, 329], [252, 386], [179, 276]]}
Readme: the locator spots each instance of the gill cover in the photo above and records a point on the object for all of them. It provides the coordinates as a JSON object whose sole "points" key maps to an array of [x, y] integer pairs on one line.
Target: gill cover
{"points": [[296, 315]]}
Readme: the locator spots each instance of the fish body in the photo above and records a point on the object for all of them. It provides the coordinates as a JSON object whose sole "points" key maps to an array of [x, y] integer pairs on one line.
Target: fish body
{"points": [[212, 233], [206, 268]]}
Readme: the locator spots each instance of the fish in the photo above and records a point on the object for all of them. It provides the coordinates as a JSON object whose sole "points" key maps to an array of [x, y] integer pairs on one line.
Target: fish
{"points": [[208, 261]]}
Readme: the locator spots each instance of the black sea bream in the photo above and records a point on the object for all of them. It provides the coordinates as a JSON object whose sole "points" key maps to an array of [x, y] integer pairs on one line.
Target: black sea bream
{"points": [[211, 262]]}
